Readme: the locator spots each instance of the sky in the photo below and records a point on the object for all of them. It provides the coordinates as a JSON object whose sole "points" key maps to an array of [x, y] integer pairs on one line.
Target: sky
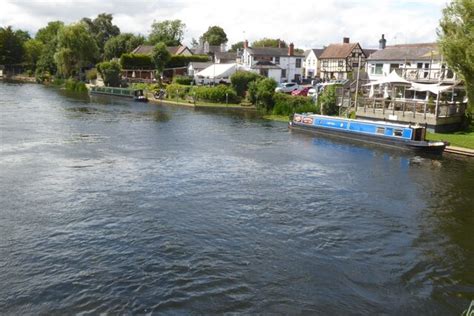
{"points": [[306, 23]]}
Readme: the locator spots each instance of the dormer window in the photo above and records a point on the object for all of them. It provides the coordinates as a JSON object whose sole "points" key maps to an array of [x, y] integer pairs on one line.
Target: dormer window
{"points": [[277, 60]]}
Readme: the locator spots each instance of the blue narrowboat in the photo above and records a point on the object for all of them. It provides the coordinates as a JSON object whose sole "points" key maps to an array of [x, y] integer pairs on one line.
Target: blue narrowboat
{"points": [[135, 94], [384, 133]]}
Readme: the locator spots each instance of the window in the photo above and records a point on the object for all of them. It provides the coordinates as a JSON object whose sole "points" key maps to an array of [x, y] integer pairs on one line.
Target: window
{"points": [[277, 60], [398, 132], [378, 69], [325, 63], [283, 73], [380, 130], [355, 65], [340, 63], [419, 65], [298, 62]]}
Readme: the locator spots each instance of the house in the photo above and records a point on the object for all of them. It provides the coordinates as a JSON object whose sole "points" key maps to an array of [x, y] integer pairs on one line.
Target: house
{"points": [[204, 48], [420, 62], [311, 63], [225, 57], [338, 61], [281, 64], [173, 50], [195, 67]]}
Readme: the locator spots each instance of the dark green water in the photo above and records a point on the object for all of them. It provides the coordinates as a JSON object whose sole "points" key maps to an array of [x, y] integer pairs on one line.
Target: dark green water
{"points": [[127, 208]]}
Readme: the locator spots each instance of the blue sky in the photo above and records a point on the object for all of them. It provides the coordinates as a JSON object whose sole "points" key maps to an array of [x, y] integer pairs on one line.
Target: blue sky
{"points": [[307, 23]]}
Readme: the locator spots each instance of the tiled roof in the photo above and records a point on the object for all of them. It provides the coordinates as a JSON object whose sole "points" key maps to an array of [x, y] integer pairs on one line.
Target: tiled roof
{"points": [[338, 50], [265, 65], [422, 51], [369, 52], [317, 52], [226, 55], [272, 51]]}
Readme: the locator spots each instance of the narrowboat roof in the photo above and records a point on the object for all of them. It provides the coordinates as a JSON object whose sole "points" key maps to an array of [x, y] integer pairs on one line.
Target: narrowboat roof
{"points": [[362, 121]]}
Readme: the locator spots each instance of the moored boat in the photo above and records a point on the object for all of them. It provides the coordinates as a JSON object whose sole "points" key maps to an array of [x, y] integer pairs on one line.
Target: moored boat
{"points": [[135, 94], [383, 133]]}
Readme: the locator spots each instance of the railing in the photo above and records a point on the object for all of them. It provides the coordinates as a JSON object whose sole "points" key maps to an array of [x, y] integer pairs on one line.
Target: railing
{"points": [[424, 74]]}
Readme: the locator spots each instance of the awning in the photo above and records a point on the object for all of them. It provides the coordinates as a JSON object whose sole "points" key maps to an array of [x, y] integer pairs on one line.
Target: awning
{"points": [[217, 71], [392, 78], [433, 88]]}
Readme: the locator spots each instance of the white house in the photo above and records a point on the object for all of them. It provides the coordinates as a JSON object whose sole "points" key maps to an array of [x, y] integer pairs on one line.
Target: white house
{"points": [[311, 63], [414, 62], [281, 64]]}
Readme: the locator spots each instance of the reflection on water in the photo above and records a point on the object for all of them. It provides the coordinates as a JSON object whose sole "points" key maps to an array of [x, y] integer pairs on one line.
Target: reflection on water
{"points": [[111, 206]]}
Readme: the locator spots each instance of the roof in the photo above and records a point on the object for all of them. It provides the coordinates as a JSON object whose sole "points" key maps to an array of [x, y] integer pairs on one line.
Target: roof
{"points": [[226, 55], [342, 50], [217, 71], [212, 49], [148, 49], [200, 65], [369, 52], [271, 51], [317, 52], [265, 65], [422, 51]]}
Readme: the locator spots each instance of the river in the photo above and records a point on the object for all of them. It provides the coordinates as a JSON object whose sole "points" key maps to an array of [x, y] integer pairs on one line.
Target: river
{"points": [[127, 208]]}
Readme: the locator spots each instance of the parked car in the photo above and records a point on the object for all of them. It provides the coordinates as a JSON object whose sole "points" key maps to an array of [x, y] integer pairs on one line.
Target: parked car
{"points": [[302, 92], [287, 87]]}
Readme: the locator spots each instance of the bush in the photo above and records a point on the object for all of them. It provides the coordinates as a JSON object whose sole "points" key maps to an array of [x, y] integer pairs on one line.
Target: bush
{"points": [[183, 80], [183, 61], [327, 101], [241, 79], [219, 93], [151, 87], [42, 76], [74, 85], [177, 90], [286, 104], [261, 93], [136, 61], [91, 74], [110, 72]]}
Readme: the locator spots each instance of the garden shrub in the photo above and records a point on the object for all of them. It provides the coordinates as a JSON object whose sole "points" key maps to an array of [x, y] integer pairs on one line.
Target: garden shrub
{"points": [[241, 79], [177, 90], [183, 80], [287, 104], [217, 93]]}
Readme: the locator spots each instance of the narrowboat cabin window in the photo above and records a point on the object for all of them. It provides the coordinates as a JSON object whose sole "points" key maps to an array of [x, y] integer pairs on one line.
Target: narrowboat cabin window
{"points": [[398, 132], [380, 130]]}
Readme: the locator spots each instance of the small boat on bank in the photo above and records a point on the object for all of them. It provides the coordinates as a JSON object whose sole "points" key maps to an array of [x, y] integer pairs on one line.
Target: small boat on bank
{"points": [[135, 94], [384, 133]]}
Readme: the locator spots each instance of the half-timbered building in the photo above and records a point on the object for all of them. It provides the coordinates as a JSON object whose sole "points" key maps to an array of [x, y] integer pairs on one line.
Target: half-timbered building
{"points": [[338, 61]]}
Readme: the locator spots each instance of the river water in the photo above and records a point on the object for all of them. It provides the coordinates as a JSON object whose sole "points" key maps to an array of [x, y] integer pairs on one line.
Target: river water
{"points": [[125, 208]]}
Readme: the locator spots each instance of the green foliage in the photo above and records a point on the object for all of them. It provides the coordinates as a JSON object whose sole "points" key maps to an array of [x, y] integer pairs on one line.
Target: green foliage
{"points": [[48, 35], [183, 80], [121, 44], [110, 72], [182, 60], [241, 79], [160, 56], [170, 32], [136, 61], [287, 104], [151, 87], [76, 49], [102, 29], [261, 93], [269, 42], [177, 90], [214, 35], [327, 101], [219, 93], [33, 50], [74, 85], [91, 74], [456, 40], [238, 45], [11, 46]]}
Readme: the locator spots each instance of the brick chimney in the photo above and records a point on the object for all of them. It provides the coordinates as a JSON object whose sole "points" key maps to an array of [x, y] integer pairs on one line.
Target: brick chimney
{"points": [[382, 42], [345, 40], [291, 49], [246, 44]]}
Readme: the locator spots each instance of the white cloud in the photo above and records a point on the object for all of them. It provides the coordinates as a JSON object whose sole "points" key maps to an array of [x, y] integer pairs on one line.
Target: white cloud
{"points": [[307, 23]]}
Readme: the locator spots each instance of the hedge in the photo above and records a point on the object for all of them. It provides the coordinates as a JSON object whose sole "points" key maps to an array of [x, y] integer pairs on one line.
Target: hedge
{"points": [[183, 61], [287, 104], [136, 61], [177, 90], [184, 80], [220, 93]]}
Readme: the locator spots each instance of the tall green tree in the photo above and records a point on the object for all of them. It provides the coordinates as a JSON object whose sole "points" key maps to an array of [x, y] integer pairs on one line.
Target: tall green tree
{"points": [[121, 44], [235, 46], [110, 72], [11, 45], [48, 35], [160, 56], [269, 42], [33, 50], [102, 29], [76, 49], [456, 40], [214, 35], [170, 32]]}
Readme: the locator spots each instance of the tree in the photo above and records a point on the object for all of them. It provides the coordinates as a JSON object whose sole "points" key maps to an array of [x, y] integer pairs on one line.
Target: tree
{"points": [[48, 35], [160, 56], [236, 46], [11, 45], [456, 40], [110, 72], [261, 93], [214, 35], [76, 49], [269, 42], [170, 32], [102, 29], [240, 81], [121, 44], [33, 50], [327, 101]]}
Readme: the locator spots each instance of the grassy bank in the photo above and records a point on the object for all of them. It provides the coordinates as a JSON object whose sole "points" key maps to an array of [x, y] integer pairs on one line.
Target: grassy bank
{"points": [[459, 139]]}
